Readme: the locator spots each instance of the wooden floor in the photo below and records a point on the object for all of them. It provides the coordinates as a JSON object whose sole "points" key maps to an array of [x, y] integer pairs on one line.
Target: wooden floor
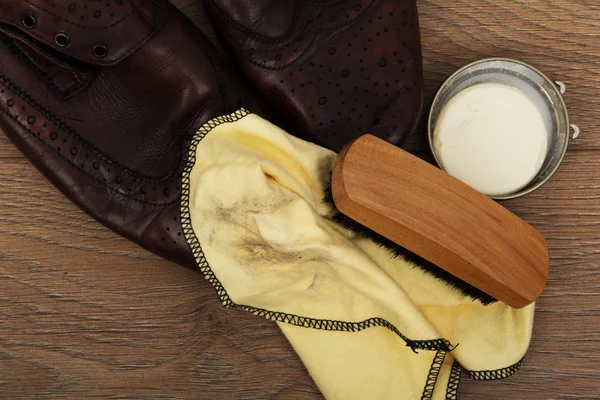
{"points": [[85, 314]]}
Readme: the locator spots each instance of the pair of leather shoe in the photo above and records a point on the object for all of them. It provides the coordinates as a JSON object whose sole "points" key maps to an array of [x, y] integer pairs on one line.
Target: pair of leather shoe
{"points": [[103, 97]]}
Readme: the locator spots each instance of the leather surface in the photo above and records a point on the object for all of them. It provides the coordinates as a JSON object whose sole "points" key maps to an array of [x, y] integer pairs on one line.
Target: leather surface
{"points": [[333, 70], [120, 25], [112, 134]]}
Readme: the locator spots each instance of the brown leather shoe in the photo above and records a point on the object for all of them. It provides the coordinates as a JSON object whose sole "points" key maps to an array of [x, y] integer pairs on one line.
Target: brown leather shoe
{"points": [[103, 97], [333, 69]]}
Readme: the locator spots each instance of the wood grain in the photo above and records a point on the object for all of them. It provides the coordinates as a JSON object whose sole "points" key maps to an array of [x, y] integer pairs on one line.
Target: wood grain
{"points": [[443, 220], [85, 314]]}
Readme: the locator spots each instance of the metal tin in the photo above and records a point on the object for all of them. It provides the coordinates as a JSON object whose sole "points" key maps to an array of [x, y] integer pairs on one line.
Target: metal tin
{"points": [[545, 94]]}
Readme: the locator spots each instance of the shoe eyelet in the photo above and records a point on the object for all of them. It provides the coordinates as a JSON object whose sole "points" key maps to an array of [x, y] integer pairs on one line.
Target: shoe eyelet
{"points": [[28, 21], [99, 51], [62, 39]]}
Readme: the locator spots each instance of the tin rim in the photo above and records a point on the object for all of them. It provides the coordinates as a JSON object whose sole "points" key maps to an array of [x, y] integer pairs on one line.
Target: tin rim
{"points": [[530, 189]]}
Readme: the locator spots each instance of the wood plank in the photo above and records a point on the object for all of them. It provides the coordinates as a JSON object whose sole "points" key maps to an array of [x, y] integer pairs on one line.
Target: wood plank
{"points": [[80, 303], [86, 314], [7, 150]]}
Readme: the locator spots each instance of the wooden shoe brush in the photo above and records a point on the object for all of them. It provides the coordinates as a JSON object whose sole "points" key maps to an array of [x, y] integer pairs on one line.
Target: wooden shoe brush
{"points": [[446, 222]]}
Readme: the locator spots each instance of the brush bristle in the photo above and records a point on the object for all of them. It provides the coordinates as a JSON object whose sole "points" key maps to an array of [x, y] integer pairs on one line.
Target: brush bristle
{"points": [[399, 251]]}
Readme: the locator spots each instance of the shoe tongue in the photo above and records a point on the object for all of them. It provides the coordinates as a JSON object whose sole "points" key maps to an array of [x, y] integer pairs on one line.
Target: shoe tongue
{"points": [[99, 33]]}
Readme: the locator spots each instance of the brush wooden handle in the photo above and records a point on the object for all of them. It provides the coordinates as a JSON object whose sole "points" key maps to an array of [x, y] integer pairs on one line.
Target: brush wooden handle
{"points": [[443, 220]]}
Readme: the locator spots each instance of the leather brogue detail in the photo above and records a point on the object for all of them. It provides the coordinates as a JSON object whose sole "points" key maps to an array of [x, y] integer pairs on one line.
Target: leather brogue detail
{"points": [[87, 25], [64, 81], [104, 98], [333, 69], [80, 154]]}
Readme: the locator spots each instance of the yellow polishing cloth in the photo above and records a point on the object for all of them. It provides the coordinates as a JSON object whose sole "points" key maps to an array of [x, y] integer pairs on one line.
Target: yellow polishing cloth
{"points": [[366, 324]]}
